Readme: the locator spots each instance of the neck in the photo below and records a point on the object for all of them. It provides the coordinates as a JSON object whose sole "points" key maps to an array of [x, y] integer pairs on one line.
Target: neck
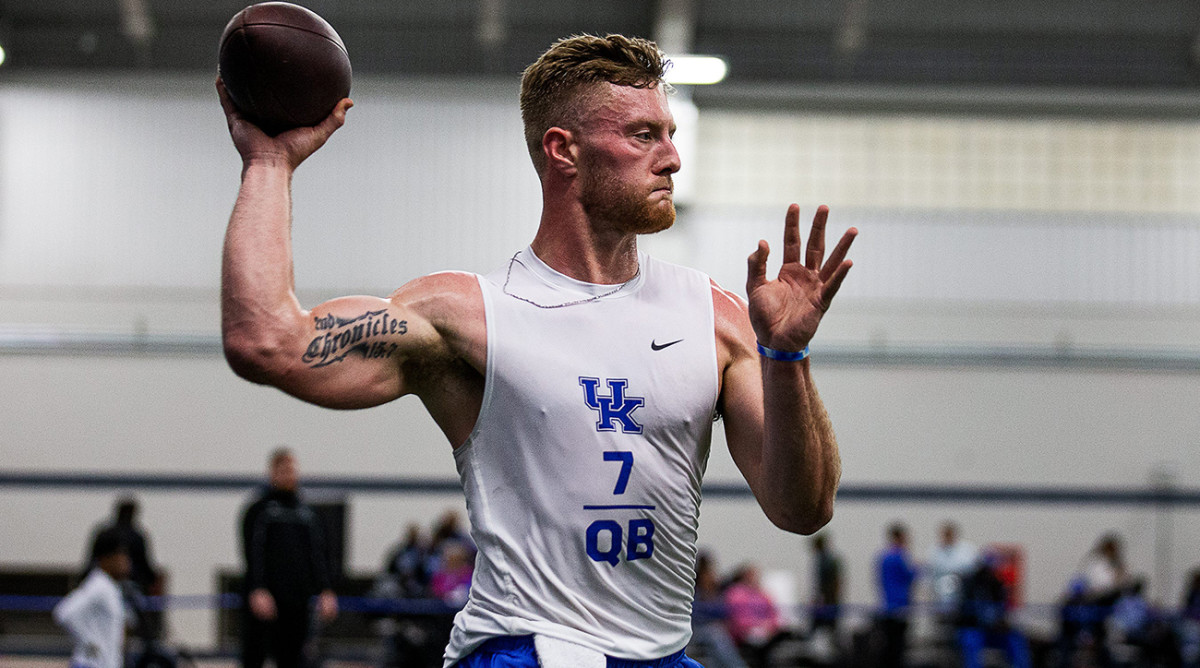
{"points": [[575, 246]]}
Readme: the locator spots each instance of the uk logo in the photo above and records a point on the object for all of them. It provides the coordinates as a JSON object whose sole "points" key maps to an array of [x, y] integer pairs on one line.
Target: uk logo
{"points": [[616, 408]]}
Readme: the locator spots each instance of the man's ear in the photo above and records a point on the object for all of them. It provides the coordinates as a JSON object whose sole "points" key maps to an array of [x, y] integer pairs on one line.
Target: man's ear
{"points": [[561, 150]]}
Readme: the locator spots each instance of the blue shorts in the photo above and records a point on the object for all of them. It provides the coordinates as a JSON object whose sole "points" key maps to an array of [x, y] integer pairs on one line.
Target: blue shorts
{"points": [[518, 652]]}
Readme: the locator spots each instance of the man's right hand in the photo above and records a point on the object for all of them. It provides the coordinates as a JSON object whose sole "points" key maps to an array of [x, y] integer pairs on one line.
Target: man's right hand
{"points": [[262, 604], [291, 147]]}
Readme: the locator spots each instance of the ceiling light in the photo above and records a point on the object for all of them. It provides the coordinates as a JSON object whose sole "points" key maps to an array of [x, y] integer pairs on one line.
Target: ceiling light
{"points": [[1, 55], [688, 69]]}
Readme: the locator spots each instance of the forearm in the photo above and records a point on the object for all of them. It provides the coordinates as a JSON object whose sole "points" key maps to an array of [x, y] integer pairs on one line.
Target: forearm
{"points": [[258, 304], [801, 466]]}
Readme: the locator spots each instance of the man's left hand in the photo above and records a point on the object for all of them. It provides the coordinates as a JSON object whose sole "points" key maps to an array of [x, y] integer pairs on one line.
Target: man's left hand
{"points": [[785, 312]]}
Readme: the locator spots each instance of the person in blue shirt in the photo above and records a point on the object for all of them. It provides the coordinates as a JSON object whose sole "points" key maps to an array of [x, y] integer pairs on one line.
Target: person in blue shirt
{"points": [[896, 577]]}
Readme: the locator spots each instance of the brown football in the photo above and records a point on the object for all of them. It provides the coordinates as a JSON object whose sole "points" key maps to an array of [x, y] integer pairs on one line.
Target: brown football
{"points": [[283, 65]]}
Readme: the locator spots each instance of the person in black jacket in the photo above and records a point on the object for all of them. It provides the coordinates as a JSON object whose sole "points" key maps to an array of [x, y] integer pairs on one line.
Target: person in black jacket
{"points": [[124, 524], [285, 568]]}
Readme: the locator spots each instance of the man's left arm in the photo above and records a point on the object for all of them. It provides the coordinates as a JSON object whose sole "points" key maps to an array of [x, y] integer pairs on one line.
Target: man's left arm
{"points": [[777, 428]]}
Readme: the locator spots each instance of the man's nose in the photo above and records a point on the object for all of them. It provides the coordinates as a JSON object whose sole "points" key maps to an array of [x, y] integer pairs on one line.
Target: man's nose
{"points": [[670, 161]]}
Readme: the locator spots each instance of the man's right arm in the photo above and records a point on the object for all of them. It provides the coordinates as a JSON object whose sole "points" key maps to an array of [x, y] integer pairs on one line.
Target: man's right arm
{"points": [[346, 353]]}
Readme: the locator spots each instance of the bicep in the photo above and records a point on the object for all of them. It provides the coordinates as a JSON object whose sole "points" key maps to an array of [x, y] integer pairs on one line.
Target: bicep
{"points": [[348, 352], [356, 352], [741, 396], [742, 415], [352, 351]]}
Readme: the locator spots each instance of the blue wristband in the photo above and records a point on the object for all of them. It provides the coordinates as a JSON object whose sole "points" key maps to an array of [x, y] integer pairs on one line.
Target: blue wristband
{"points": [[781, 355]]}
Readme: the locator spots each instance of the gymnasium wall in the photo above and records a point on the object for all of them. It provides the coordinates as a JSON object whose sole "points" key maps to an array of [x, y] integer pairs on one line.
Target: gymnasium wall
{"points": [[1056, 236]]}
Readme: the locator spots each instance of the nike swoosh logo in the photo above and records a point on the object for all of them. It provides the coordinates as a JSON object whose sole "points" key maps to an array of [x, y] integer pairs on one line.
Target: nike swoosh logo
{"points": [[655, 346]]}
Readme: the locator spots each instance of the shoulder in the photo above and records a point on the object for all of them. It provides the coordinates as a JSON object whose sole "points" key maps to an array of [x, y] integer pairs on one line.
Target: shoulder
{"points": [[728, 306], [91, 582], [93, 586], [451, 302], [443, 280], [442, 298], [731, 320], [454, 288], [254, 505], [265, 509], [102, 585]]}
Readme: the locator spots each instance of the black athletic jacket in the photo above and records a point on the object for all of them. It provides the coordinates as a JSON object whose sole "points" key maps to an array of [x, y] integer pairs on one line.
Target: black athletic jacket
{"points": [[284, 549]]}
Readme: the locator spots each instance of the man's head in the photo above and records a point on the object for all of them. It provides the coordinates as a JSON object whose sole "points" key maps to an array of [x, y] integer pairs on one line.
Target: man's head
{"points": [[747, 574], [949, 533], [282, 470], [898, 534], [127, 508], [1109, 546], [112, 555], [567, 81]]}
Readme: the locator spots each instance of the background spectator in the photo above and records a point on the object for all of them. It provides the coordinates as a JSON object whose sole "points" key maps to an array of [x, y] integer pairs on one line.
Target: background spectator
{"points": [[951, 562], [826, 600], [896, 576], [407, 565], [827, 584], [285, 568], [1088, 602], [982, 619], [1188, 628], [1141, 630], [753, 617], [94, 614], [416, 635], [448, 531], [452, 581], [144, 578], [710, 636], [124, 525]]}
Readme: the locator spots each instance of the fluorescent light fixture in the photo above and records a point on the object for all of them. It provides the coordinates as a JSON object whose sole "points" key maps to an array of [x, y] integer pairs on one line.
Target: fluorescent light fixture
{"points": [[688, 69], [1, 55]]}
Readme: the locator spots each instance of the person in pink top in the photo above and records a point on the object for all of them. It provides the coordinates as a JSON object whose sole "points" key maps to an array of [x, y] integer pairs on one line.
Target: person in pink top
{"points": [[452, 580], [753, 618]]}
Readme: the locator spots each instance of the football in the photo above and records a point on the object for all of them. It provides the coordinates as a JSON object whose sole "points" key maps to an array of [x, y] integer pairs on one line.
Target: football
{"points": [[283, 65]]}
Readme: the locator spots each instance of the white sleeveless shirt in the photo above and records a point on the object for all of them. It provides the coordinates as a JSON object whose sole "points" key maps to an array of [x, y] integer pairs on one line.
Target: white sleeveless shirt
{"points": [[582, 476]]}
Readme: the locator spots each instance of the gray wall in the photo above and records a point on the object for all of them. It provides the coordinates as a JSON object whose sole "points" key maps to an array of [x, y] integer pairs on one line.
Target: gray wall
{"points": [[114, 194]]}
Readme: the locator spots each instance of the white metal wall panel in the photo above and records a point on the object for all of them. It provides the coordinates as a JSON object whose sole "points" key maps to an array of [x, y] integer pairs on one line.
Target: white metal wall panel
{"points": [[131, 184], [980, 256], [934, 162]]}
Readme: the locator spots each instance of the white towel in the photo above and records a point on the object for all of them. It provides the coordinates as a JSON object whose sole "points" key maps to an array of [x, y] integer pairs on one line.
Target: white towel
{"points": [[555, 653]]}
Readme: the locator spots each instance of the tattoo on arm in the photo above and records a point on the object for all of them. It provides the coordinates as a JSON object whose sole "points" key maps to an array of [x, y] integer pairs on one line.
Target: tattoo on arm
{"points": [[360, 335]]}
